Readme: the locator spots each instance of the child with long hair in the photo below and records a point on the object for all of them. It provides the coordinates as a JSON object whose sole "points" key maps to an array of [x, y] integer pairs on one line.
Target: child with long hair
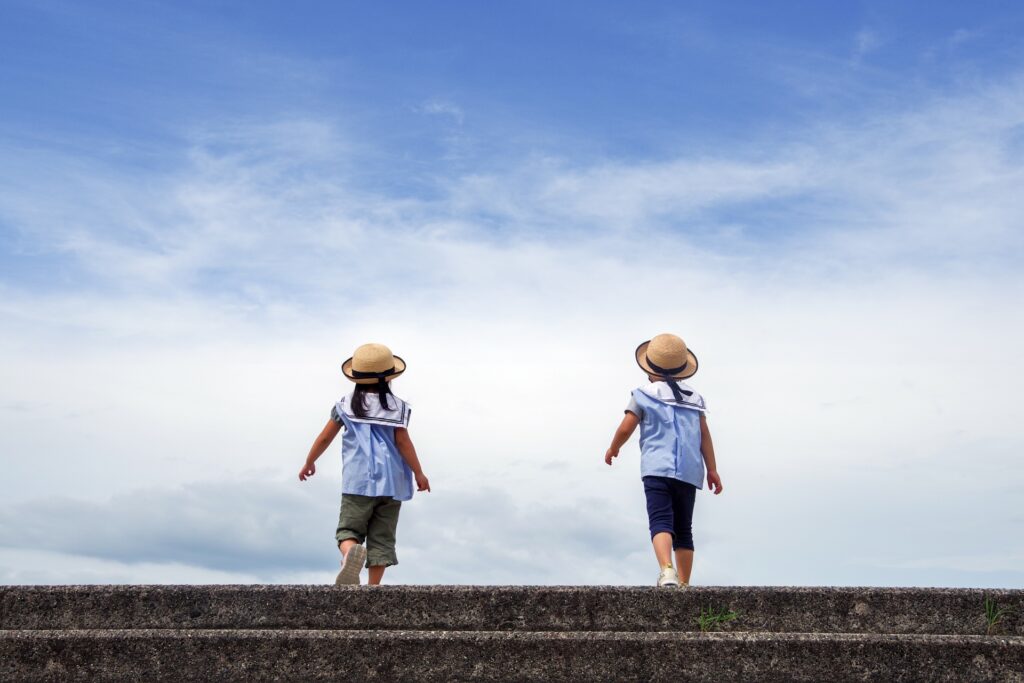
{"points": [[379, 463]]}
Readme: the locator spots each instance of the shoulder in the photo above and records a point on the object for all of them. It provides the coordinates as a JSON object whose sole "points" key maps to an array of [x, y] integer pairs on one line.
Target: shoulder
{"points": [[343, 405], [695, 399], [634, 404], [647, 391]]}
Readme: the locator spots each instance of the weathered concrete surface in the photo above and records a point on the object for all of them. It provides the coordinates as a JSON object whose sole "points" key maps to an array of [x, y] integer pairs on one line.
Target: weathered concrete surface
{"points": [[479, 608], [315, 655]]}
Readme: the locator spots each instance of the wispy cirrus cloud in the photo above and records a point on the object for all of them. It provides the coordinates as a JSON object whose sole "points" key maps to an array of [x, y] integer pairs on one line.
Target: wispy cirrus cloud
{"points": [[267, 202]]}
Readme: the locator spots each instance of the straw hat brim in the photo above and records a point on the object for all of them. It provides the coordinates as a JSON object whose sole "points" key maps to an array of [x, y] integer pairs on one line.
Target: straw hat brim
{"points": [[689, 371], [346, 369]]}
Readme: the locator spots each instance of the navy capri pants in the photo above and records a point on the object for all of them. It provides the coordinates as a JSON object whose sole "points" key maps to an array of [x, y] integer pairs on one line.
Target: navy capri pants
{"points": [[670, 508]]}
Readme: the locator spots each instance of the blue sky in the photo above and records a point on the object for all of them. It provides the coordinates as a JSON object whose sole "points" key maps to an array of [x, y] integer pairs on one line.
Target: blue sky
{"points": [[204, 207], [626, 75]]}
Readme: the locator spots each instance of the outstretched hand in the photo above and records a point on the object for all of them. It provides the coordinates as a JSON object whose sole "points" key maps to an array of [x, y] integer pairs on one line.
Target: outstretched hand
{"points": [[307, 471]]}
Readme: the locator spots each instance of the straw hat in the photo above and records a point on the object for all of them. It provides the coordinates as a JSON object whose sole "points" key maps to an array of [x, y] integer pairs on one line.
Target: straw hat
{"points": [[371, 363], [666, 354]]}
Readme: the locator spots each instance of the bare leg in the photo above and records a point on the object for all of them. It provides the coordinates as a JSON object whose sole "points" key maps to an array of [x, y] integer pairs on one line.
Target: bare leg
{"points": [[662, 543], [684, 563], [376, 574], [345, 545]]}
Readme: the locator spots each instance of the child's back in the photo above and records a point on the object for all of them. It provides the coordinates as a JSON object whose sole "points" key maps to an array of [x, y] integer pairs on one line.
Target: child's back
{"points": [[371, 462], [379, 462], [675, 447], [670, 435]]}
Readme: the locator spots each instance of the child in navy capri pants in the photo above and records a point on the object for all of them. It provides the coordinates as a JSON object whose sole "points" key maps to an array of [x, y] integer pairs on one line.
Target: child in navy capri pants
{"points": [[675, 447]]}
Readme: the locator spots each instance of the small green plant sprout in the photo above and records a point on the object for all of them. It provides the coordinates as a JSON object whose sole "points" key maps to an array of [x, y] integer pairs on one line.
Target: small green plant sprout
{"points": [[994, 615], [710, 619]]}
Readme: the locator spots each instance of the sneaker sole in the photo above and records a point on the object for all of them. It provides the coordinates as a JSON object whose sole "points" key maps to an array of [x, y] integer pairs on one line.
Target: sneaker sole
{"points": [[349, 574]]}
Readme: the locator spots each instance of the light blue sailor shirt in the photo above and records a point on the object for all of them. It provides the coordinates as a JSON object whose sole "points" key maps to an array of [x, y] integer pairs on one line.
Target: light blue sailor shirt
{"points": [[370, 462], [669, 432]]}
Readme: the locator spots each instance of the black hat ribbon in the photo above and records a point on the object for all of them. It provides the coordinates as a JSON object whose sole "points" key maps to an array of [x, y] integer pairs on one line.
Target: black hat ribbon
{"points": [[382, 383], [668, 374]]}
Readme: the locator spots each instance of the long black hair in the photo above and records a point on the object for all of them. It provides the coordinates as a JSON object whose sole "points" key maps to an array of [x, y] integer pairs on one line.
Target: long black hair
{"points": [[382, 389]]}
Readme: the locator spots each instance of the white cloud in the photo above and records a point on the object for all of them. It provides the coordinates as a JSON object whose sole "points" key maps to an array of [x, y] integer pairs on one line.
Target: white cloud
{"points": [[19, 566], [853, 295]]}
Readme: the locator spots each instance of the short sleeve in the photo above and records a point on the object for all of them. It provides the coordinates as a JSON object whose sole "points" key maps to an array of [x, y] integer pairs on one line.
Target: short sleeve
{"points": [[335, 416], [634, 407]]}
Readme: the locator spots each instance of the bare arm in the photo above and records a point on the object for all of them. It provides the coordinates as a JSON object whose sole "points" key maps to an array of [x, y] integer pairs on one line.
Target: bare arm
{"points": [[707, 449], [622, 434], [317, 449], [408, 453]]}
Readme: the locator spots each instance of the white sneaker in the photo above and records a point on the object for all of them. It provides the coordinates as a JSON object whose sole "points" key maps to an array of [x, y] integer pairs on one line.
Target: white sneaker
{"points": [[668, 578], [351, 566]]}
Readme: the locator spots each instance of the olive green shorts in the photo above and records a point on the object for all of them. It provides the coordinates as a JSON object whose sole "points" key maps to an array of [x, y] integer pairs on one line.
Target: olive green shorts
{"points": [[373, 519]]}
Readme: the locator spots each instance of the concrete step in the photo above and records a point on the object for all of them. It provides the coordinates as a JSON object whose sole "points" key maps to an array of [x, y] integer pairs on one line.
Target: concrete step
{"points": [[510, 608], [318, 655]]}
